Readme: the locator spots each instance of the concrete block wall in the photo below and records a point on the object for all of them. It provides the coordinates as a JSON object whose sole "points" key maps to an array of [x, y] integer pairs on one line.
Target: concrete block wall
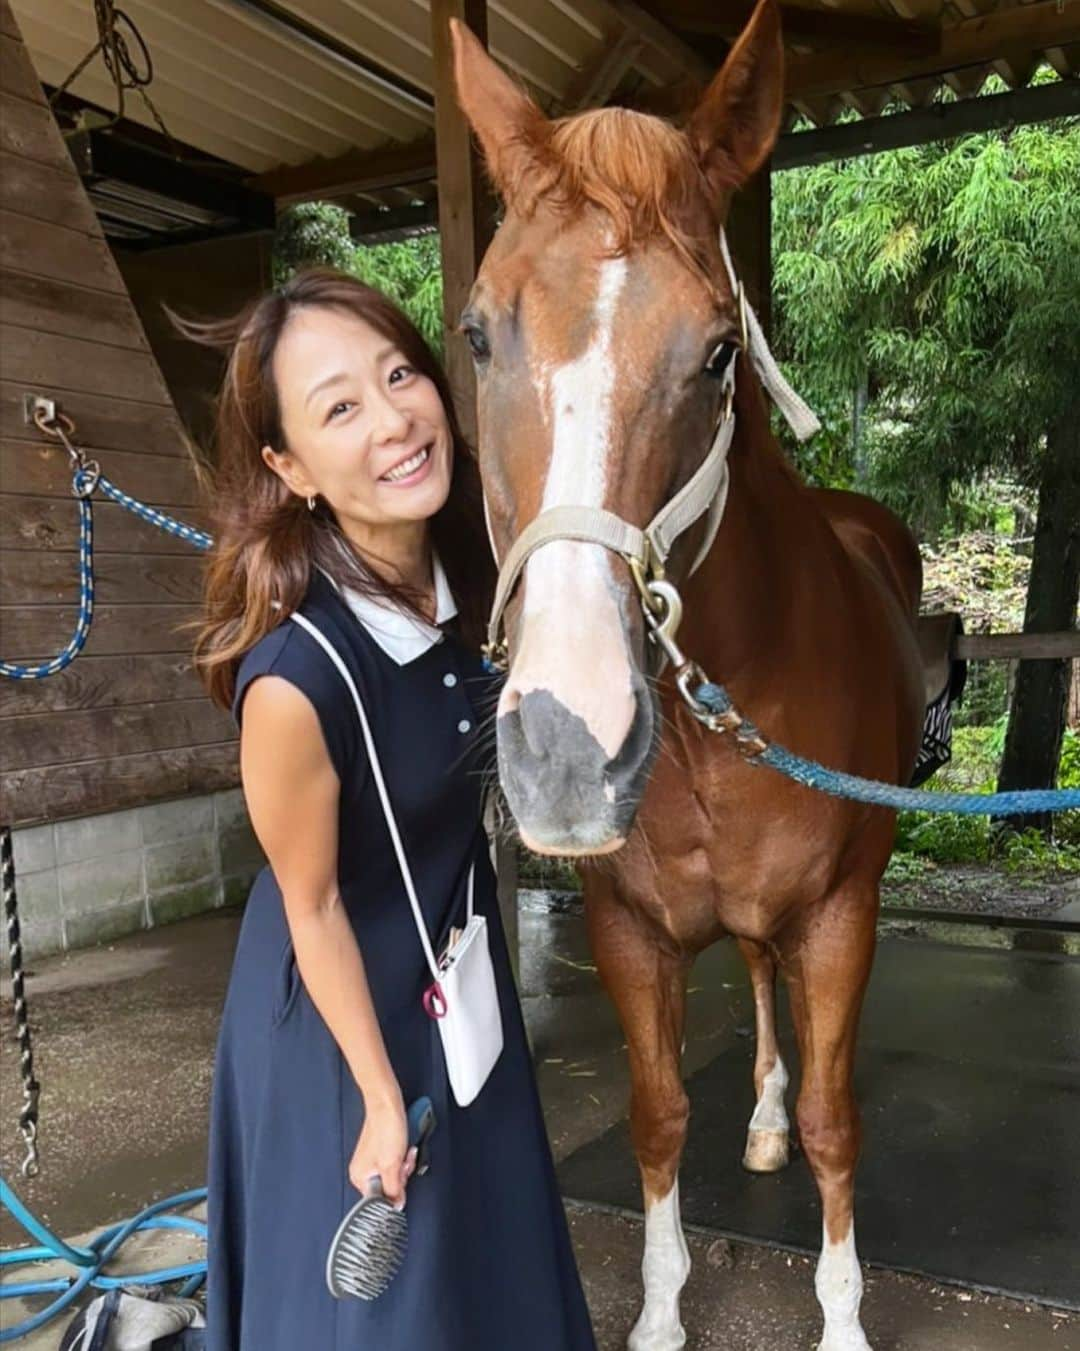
{"points": [[93, 879]]}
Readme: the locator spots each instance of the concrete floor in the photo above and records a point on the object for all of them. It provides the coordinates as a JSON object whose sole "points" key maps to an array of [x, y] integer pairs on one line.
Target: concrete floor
{"points": [[124, 1039]]}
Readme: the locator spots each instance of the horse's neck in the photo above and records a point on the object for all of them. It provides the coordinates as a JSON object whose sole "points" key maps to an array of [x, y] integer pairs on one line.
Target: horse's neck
{"points": [[751, 592]]}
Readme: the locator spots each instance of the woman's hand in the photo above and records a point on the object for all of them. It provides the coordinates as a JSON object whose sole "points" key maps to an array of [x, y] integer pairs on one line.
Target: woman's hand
{"points": [[383, 1151]]}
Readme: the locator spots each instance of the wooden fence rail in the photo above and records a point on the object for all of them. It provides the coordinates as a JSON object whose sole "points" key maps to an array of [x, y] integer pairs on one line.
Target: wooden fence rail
{"points": [[1011, 646]]}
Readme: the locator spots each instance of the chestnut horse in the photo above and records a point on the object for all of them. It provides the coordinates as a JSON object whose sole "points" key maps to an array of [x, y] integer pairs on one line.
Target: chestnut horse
{"points": [[606, 334]]}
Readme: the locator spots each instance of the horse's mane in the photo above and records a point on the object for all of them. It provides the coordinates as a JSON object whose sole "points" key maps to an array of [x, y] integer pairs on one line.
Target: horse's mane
{"points": [[639, 170]]}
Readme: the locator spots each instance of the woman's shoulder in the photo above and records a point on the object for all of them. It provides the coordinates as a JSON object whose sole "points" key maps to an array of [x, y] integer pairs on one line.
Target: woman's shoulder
{"points": [[276, 653], [290, 653]]}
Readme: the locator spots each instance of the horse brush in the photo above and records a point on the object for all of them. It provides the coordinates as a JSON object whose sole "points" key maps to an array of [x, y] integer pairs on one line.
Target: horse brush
{"points": [[369, 1247]]}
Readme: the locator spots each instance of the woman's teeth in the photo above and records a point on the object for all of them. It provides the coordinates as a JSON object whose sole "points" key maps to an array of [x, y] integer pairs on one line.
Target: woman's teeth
{"points": [[407, 467]]}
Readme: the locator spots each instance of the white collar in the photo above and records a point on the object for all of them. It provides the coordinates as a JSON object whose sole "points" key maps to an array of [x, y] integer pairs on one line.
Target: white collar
{"points": [[400, 635]]}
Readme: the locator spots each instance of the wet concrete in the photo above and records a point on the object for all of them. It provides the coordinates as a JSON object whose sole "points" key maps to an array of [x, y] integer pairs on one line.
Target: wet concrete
{"points": [[968, 1075], [124, 1039]]}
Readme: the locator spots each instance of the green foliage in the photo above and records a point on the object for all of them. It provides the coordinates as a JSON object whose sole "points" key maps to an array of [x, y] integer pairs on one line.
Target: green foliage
{"points": [[1031, 851], [312, 234], [409, 272], [944, 281], [971, 839], [1067, 826], [943, 839]]}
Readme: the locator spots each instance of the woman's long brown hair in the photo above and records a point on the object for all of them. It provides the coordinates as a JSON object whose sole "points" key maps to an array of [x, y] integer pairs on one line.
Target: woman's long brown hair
{"points": [[266, 541]]}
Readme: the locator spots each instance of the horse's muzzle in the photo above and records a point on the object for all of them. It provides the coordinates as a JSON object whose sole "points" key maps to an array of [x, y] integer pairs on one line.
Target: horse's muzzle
{"points": [[567, 795]]}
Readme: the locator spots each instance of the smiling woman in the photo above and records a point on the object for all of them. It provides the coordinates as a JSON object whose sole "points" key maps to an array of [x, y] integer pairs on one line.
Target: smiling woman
{"points": [[349, 535], [361, 436]]}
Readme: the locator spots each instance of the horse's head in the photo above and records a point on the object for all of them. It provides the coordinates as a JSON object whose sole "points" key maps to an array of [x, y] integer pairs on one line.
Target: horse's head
{"points": [[601, 323]]}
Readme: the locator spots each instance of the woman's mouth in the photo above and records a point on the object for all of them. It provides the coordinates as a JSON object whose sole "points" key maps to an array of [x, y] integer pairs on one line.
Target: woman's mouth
{"points": [[411, 470]]}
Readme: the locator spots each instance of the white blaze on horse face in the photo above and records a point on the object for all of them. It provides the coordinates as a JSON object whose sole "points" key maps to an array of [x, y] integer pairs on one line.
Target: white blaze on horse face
{"points": [[838, 1283], [573, 642], [664, 1270]]}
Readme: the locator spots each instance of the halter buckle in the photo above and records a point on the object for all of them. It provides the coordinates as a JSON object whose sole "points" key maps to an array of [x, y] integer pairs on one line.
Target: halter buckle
{"points": [[663, 610], [496, 656]]}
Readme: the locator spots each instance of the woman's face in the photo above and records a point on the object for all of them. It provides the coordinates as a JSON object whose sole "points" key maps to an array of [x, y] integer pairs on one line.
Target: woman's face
{"points": [[363, 429]]}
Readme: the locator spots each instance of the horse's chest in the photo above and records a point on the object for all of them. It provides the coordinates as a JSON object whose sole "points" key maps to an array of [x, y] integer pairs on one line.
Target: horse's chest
{"points": [[732, 851]]}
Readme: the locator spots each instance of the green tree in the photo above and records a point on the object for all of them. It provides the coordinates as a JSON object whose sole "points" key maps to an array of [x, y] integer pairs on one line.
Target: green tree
{"points": [[928, 300], [408, 271]]}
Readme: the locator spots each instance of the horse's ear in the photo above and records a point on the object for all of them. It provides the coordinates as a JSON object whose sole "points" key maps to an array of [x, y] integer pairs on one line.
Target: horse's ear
{"points": [[735, 126], [506, 121]]}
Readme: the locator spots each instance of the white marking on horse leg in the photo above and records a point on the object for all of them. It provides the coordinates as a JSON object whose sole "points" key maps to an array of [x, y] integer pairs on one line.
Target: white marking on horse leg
{"points": [[838, 1283], [664, 1270], [767, 1137]]}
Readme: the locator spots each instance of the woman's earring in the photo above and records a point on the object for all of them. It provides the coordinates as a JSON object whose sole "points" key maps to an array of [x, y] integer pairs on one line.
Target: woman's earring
{"points": [[311, 504]]}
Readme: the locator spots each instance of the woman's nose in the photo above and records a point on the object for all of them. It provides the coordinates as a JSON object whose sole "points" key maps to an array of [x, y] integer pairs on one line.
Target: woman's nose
{"points": [[391, 422]]}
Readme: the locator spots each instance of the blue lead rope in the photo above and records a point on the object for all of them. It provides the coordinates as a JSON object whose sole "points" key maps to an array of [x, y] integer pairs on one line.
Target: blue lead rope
{"points": [[711, 696], [84, 482], [838, 784], [89, 1262]]}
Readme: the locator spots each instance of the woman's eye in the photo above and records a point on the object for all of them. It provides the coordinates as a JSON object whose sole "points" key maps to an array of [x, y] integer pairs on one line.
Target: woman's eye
{"points": [[723, 354], [400, 373], [338, 409]]}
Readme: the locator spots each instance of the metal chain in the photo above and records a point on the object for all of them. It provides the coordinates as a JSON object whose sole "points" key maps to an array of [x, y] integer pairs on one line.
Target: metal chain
{"points": [[28, 1116], [118, 61]]}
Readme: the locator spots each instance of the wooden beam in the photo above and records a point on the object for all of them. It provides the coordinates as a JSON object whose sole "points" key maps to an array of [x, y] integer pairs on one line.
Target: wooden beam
{"points": [[1065, 60], [1018, 107], [398, 222], [466, 209], [358, 171], [300, 32], [968, 42], [917, 93], [1017, 646], [812, 27], [749, 232], [595, 84], [660, 37]]}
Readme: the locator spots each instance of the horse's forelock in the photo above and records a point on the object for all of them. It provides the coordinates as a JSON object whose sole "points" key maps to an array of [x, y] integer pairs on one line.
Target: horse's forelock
{"points": [[639, 170]]}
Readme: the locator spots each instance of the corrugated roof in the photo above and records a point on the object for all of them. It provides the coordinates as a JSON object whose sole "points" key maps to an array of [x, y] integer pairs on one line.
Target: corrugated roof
{"points": [[249, 82]]}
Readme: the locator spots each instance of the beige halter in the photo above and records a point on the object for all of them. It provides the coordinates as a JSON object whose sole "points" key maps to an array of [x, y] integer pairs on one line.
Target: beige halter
{"points": [[647, 551]]}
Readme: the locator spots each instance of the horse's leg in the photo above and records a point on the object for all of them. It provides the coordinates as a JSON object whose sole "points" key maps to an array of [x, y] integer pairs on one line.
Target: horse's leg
{"points": [[646, 979], [826, 959], [767, 1138]]}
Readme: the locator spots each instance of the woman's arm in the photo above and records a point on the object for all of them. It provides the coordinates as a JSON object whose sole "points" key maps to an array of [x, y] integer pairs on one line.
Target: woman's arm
{"points": [[292, 793]]}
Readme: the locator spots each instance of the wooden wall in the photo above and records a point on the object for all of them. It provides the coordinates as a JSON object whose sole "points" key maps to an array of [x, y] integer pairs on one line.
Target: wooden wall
{"points": [[127, 722]]}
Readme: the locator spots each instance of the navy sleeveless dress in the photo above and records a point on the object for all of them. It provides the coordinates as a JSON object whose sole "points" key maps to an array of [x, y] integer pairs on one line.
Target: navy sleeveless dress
{"points": [[489, 1265]]}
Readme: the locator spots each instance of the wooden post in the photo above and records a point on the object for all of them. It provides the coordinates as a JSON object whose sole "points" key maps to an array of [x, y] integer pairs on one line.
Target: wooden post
{"points": [[749, 232], [466, 209], [466, 222]]}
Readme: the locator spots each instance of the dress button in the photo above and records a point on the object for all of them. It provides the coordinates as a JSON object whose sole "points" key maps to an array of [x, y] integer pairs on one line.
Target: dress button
{"points": [[449, 680], [464, 725]]}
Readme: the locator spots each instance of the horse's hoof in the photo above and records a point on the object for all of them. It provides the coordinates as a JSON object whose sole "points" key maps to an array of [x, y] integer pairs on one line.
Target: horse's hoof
{"points": [[668, 1339], [766, 1151]]}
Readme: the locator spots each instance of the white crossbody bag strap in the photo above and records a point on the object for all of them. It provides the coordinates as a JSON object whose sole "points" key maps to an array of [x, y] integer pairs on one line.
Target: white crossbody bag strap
{"points": [[384, 797]]}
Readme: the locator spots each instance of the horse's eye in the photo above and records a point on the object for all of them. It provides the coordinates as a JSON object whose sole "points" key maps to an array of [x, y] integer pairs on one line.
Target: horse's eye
{"points": [[723, 354], [477, 340]]}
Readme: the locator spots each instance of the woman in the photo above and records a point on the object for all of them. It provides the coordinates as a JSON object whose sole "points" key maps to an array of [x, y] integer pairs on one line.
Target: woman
{"points": [[344, 490]]}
